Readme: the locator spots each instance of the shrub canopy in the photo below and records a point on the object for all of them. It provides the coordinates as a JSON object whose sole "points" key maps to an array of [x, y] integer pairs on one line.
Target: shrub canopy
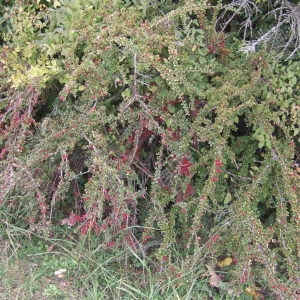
{"points": [[142, 123]]}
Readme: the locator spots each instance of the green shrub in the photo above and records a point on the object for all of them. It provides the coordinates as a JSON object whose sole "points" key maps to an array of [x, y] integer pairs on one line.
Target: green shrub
{"points": [[145, 128]]}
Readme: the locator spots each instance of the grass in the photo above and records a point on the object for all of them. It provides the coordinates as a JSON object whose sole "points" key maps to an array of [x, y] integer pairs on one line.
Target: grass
{"points": [[27, 268], [92, 271], [28, 265]]}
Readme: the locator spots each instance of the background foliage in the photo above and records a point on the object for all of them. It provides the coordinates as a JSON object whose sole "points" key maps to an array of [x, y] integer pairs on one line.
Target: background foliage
{"points": [[142, 125]]}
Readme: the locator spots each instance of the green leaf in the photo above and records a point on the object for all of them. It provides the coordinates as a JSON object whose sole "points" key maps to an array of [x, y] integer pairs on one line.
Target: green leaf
{"points": [[202, 60], [122, 148], [293, 81], [81, 88], [126, 93], [268, 144], [228, 198], [171, 108], [260, 138], [289, 90], [282, 90]]}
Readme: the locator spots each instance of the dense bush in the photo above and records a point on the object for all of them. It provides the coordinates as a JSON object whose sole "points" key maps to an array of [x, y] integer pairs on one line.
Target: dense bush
{"points": [[140, 123]]}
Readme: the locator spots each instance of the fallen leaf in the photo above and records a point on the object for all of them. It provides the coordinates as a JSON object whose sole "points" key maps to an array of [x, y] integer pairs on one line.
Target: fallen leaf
{"points": [[214, 278], [50, 248], [60, 273], [225, 262], [254, 293], [33, 265], [49, 280], [64, 284]]}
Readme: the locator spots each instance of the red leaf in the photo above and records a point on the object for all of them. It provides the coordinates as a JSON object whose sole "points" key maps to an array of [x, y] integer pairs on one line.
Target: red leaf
{"points": [[74, 219], [85, 228], [184, 167], [189, 191]]}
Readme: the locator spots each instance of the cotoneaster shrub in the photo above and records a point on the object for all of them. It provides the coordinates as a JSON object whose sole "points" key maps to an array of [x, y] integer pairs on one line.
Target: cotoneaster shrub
{"points": [[142, 125]]}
